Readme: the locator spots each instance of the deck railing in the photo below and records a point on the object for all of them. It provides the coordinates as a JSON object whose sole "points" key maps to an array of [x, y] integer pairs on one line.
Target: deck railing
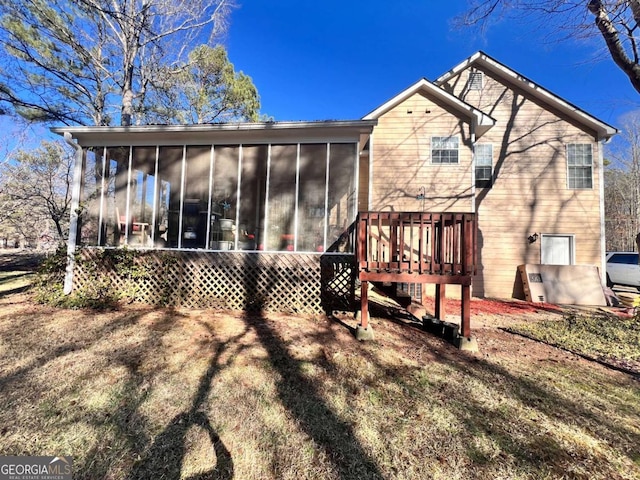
{"points": [[416, 243]]}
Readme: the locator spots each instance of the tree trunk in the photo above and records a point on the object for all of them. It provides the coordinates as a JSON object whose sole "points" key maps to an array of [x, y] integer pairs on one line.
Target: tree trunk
{"points": [[614, 43], [127, 107]]}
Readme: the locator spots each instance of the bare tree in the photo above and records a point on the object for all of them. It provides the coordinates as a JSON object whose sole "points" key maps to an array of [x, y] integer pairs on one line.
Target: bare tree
{"points": [[621, 222], [622, 187], [615, 21], [92, 61], [36, 191]]}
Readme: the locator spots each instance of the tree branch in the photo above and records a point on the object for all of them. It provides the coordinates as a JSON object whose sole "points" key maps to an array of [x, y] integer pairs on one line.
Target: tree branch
{"points": [[614, 43]]}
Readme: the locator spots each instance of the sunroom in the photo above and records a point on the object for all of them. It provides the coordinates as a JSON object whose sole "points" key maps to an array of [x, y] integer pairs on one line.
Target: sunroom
{"points": [[238, 216], [271, 187]]}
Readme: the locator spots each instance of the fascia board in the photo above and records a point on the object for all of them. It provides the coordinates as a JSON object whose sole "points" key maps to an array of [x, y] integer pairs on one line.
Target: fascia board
{"points": [[458, 68], [396, 100], [341, 130]]}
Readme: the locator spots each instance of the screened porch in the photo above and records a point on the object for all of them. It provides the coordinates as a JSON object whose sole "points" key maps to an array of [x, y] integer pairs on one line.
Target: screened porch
{"points": [[271, 187]]}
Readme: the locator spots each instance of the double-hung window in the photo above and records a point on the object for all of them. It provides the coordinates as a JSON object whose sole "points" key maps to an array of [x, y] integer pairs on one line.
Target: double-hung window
{"points": [[484, 165], [444, 150], [579, 165]]}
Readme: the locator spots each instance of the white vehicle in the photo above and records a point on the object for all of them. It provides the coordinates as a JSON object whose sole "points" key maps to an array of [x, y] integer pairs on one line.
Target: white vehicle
{"points": [[623, 269]]}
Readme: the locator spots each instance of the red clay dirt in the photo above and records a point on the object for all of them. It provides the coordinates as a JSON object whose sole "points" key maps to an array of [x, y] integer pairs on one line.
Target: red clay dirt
{"points": [[495, 306]]}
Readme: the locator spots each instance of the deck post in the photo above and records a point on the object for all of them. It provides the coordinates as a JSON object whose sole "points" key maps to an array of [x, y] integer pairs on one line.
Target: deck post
{"points": [[364, 330], [441, 290], [364, 305], [465, 320], [76, 192]]}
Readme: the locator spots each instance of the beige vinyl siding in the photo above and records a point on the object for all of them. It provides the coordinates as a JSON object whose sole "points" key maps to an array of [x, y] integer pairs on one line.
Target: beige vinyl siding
{"points": [[530, 193], [402, 159], [363, 183]]}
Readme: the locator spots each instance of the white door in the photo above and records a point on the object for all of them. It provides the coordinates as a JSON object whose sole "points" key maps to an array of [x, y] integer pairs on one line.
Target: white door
{"points": [[556, 250]]}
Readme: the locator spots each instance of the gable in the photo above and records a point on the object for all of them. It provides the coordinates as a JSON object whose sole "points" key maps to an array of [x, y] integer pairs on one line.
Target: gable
{"points": [[523, 115], [408, 155], [457, 81], [480, 121], [421, 112]]}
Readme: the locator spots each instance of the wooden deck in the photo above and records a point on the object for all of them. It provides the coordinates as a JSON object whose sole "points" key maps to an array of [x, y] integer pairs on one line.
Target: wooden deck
{"points": [[417, 247]]}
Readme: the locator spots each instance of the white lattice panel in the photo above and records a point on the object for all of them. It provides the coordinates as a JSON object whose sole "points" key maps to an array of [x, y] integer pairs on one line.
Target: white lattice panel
{"points": [[296, 283]]}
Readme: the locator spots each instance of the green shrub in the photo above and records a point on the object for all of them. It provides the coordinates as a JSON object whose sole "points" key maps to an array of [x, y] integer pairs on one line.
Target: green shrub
{"points": [[48, 287]]}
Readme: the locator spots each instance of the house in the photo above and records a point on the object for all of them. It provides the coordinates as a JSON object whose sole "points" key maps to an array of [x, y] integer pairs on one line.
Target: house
{"points": [[527, 162], [458, 181]]}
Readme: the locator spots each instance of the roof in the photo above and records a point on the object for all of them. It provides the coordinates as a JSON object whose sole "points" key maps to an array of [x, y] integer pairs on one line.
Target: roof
{"points": [[481, 120], [258, 132], [485, 62]]}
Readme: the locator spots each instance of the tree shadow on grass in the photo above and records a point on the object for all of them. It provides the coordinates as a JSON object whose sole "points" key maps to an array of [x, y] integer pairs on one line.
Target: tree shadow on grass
{"points": [[72, 353], [165, 457], [487, 398], [533, 393], [20, 260], [71, 345], [15, 282], [13, 291], [120, 414], [12, 276], [300, 397]]}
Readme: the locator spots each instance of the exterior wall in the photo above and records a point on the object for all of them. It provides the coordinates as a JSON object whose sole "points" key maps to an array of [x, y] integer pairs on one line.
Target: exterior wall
{"points": [[529, 193], [363, 183], [402, 159]]}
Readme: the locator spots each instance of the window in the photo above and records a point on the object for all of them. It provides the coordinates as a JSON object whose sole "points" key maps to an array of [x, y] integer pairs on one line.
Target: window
{"points": [[579, 165], [626, 258], [484, 165], [444, 150], [557, 249], [475, 80]]}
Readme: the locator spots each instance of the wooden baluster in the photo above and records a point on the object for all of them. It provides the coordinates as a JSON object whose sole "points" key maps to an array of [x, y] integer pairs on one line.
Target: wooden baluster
{"points": [[364, 304], [421, 248], [455, 253]]}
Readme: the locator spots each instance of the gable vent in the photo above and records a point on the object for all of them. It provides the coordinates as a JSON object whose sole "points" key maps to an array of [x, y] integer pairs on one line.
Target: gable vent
{"points": [[475, 80]]}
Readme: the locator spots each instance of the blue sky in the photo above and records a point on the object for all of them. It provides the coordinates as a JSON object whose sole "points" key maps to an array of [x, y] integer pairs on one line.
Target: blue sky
{"points": [[340, 59]]}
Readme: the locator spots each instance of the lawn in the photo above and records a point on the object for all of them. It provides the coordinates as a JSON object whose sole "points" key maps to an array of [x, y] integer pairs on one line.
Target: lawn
{"points": [[14, 282], [600, 336], [139, 392]]}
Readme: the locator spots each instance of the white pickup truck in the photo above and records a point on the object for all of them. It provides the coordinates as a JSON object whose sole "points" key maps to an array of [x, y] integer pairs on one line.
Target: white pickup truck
{"points": [[623, 269]]}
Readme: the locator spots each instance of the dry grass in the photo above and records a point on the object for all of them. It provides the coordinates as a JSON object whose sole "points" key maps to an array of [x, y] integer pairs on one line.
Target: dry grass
{"points": [[150, 393], [602, 336], [14, 282]]}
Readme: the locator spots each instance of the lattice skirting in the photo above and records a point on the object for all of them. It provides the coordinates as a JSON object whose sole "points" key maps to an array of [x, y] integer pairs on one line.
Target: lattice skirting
{"points": [[279, 282]]}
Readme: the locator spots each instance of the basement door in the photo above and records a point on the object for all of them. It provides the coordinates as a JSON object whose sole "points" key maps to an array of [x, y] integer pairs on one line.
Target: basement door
{"points": [[557, 249]]}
